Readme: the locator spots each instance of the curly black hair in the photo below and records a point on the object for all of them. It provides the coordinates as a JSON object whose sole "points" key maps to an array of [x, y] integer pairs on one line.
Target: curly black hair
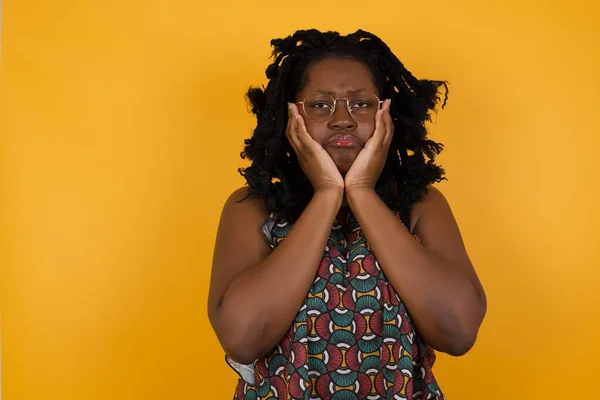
{"points": [[275, 174]]}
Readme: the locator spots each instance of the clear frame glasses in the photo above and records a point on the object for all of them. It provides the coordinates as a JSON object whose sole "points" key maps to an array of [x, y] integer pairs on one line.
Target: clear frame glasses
{"points": [[361, 106]]}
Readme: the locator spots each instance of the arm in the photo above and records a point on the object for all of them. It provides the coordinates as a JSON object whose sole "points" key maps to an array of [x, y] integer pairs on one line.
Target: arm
{"points": [[435, 279], [255, 293]]}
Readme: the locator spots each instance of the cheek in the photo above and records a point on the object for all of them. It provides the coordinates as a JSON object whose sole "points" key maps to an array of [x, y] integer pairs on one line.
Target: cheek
{"points": [[366, 130], [317, 131]]}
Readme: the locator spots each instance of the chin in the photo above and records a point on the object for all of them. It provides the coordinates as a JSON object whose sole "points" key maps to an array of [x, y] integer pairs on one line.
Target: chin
{"points": [[343, 169], [344, 164]]}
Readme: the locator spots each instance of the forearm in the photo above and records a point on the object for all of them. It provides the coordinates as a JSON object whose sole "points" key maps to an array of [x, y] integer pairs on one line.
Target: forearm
{"points": [[261, 303], [443, 302]]}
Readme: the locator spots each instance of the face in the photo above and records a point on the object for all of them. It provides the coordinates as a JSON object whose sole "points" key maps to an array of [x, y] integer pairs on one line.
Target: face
{"points": [[342, 134]]}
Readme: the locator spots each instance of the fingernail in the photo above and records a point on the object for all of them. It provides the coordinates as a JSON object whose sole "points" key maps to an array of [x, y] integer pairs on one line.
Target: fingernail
{"points": [[289, 106]]}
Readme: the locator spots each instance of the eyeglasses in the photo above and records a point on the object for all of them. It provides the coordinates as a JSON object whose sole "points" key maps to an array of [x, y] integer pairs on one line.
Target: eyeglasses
{"points": [[361, 106]]}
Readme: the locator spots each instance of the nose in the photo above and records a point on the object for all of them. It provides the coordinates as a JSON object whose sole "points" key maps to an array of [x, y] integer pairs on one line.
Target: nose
{"points": [[341, 118]]}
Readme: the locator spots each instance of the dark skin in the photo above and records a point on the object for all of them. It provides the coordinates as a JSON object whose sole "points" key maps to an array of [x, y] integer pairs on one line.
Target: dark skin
{"points": [[434, 278]]}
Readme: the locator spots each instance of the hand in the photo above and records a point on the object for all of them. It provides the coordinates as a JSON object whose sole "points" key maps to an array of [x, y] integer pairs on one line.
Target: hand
{"points": [[316, 163], [369, 163]]}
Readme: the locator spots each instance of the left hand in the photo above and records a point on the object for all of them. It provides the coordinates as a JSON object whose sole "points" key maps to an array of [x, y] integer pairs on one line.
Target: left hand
{"points": [[369, 163]]}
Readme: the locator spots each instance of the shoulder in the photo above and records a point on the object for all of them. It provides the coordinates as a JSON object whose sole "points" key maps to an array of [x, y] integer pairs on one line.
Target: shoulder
{"points": [[432, 197], [432, 203], [242, 199], [244, 208]]}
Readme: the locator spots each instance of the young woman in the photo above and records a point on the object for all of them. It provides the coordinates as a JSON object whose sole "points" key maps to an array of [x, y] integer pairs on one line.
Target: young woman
{"points": [[339, 269]]}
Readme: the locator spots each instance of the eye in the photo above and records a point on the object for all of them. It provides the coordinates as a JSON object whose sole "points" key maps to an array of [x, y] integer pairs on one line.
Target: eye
{"points": [[320, 104], [361, 104]]}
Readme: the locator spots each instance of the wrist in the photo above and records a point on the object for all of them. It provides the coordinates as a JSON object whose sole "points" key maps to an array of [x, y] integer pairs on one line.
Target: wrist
{"points": [[331, 195], [356, 194], [355, 190]]}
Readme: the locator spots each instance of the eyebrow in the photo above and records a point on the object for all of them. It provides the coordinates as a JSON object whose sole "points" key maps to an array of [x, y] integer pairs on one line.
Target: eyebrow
{"points": [[353, 91]]}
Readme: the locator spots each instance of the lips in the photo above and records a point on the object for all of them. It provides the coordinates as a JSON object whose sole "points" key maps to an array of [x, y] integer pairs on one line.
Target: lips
{"points": [[343, 140]]}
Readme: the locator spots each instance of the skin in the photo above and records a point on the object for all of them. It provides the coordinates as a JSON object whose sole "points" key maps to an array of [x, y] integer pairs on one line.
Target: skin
{"points": [[434, 278], [341, 79]]}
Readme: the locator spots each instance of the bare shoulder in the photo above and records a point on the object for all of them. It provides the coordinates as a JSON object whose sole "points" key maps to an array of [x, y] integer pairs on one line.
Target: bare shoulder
{"points": [[242, 208], [436, 226], [433, 195], [241, 199], [432, 203]]}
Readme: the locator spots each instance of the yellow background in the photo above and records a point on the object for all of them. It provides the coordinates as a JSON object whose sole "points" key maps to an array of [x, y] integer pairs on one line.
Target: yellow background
{"points": [[121, 126]]}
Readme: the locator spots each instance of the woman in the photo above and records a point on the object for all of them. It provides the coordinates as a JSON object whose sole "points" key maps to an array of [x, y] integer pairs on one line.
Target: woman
{"points": [[339, 269]]}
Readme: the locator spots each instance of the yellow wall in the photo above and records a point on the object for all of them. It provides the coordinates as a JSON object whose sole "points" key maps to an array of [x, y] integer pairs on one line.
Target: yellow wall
{"points": [[121, 126]]}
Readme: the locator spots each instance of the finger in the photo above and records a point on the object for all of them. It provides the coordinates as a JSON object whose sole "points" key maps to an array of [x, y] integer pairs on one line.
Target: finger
{"points": [[302, 133], [377, 136], [293, 128], [287, 128], [389, 126]]}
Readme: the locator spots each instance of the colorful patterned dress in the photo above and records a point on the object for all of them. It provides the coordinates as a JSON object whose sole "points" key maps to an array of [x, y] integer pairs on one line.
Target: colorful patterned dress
{"points": [[352, 338]]}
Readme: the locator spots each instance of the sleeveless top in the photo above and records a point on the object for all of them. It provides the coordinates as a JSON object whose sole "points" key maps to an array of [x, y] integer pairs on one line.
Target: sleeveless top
{"points": [[351, 339]]}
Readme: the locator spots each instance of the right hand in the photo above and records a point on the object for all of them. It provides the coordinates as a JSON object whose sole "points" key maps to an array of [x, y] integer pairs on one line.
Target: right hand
{"points": [[317, 164]]}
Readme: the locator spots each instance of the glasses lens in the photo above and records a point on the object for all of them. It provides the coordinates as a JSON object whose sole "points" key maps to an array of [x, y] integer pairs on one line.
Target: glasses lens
{"points": [[363, 106], [319, 107]]}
